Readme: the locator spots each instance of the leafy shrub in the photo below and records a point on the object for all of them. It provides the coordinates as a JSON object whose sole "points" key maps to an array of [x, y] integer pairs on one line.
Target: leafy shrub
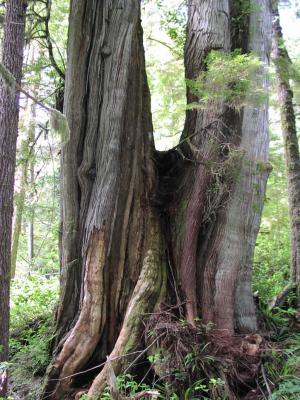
{"points": [[33, 298], [229, 78], [283, 369], [32, 306]]}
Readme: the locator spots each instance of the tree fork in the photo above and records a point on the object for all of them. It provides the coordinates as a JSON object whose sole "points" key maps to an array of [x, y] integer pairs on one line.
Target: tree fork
{"points": [[110, 181]]}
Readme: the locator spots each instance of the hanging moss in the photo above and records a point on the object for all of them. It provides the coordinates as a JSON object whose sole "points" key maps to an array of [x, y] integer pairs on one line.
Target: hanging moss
{"points": [[58, 122], [59, 126], [7, 78]]}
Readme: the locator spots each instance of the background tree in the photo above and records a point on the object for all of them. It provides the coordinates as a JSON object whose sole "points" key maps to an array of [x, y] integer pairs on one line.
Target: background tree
{"points": [[42, 78], [283, 65], [12, 59], [137, 225]]}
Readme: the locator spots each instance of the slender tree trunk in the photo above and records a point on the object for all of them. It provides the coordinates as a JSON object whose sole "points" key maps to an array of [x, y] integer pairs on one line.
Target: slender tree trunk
{"points": [[12, 58], [19, 209], [27, 153], [139, 228], [291, 146], [31, 195]]}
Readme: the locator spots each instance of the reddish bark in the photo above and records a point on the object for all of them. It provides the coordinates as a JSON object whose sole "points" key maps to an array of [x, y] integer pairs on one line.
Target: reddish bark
{"points": [[152, 207]]}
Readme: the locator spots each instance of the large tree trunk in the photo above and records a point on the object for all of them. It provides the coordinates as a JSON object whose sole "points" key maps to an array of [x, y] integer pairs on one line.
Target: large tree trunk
{"points": [[291, 146], [110, 231], [12, 59], [133, 217]]}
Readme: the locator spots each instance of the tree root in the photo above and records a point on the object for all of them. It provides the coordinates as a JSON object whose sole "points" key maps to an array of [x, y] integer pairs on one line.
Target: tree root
{"points": [[149, 287], [202, 354], [86, 333]]}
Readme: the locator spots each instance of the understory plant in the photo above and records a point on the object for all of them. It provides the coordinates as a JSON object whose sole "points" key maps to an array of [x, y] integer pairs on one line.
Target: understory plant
{"points": [[32, 331]]}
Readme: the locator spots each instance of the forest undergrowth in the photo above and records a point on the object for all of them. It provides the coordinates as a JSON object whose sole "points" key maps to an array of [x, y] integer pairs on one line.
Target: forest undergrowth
{"points": [[185, 356]]}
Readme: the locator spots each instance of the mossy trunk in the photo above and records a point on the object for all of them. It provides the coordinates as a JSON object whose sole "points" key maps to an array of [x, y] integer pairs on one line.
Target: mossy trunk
{"points": [[291, 146], [137, 229]]}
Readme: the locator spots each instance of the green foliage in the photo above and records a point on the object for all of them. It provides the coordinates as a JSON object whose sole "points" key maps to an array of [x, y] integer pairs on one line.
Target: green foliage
{"points": [[283, 368], [271, 265], [30, 357], [32, 298], [174, 22], [164, 35], [288, 390], [41, 201], [229, 78], [170, 104], [242, 9], [128, 387], [32, 306]]}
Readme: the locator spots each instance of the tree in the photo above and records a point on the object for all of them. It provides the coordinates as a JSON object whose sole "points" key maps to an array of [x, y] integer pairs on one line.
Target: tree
{"points": [[283, 65], [27, 156], [141, 228], [12, 59]]}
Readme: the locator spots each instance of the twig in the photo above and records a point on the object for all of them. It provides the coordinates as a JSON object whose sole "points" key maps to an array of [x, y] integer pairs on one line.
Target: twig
{"points": [[265, 379], [172, 49], [199, 131], [142, 352], [11, 81], [112, 381], [277, 300]]}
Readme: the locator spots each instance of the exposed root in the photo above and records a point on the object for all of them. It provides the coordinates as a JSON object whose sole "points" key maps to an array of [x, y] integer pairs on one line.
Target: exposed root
{"points": [[184, 355], [86, 333], [145, 295], [241, 358]]}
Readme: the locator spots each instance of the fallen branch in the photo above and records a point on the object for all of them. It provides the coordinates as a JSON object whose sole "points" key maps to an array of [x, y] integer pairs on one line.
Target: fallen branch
{"points": [[279, 299]]}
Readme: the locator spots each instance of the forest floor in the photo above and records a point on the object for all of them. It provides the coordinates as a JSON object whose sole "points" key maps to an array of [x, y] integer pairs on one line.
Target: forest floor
{"points": [[33, 304]]}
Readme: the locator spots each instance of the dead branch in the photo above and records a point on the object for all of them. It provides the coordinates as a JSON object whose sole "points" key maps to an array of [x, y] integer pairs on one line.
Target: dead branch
{"points": [[279, 299]]}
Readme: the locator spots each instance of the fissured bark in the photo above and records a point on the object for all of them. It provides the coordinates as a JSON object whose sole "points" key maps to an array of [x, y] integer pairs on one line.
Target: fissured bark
{"points": [[141, 227], [12, 59]]}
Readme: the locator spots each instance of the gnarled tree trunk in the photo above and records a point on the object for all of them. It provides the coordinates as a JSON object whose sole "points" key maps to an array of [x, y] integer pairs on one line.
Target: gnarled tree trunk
{"points": [[139, 228]]}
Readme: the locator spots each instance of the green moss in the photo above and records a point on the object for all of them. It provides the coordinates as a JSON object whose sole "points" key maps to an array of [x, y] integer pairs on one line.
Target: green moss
{"points": [[8, 78], [73, 264], [264, 166], [59, 126]]}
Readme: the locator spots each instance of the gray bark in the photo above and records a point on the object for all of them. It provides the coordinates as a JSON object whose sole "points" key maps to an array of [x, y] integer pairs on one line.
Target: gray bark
{"points": [[227, 295], [107, 177], [221, 254], [122, 212]]}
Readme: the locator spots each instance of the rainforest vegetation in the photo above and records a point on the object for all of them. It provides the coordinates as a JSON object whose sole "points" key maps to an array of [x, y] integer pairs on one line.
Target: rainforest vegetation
{"points": [[149, 199]]}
